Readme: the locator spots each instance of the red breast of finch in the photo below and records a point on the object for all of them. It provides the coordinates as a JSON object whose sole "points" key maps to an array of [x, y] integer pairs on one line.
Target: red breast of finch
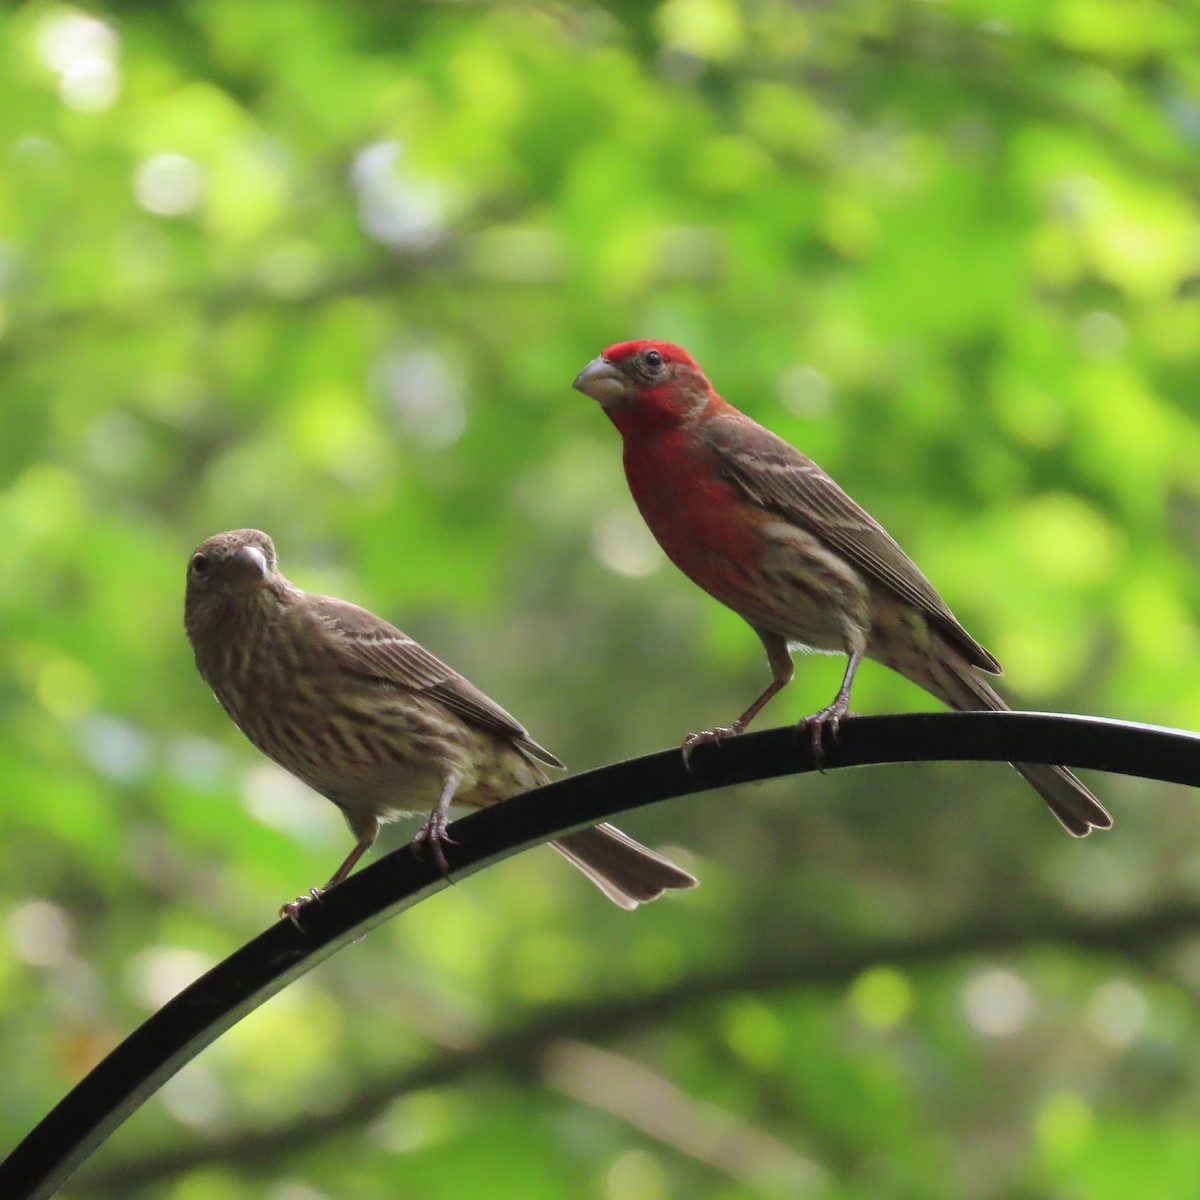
{"points": [[763, 529], [370, 719]]}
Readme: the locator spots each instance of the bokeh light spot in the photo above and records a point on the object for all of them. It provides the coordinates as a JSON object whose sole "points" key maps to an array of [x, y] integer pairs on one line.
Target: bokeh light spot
{"points": [[621, 541], [997, 1002], [635, 1175], [83, 52], [881, 998], [162, 972], [168, 185], [40, 933], [1063, 1124], [805, 391], [1117, 1013]]}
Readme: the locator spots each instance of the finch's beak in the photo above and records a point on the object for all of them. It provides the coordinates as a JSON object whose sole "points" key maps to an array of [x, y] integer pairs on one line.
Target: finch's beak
{"points": [[602, 381], [249, 565]]}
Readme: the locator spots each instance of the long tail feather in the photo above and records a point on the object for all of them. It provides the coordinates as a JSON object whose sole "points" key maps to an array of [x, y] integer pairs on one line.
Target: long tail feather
{"points": [[627, 872], [1077, 810]]}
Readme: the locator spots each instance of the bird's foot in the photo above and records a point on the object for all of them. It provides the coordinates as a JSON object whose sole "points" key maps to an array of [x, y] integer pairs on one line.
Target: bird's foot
{"points": [[433, 834], [292, 908], [708, 735], [824, 721]]}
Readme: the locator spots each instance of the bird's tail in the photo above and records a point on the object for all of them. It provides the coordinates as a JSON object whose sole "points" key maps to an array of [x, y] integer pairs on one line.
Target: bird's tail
{"points": [[1077, 810], [624, 870]]}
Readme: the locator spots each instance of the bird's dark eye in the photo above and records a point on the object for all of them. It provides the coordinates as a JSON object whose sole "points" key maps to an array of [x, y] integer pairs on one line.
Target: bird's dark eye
{"points": [[199, 564], [653, 359]]}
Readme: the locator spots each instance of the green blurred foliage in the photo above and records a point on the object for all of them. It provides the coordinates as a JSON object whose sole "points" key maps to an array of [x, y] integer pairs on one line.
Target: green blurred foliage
{"points": [[329, 270]]}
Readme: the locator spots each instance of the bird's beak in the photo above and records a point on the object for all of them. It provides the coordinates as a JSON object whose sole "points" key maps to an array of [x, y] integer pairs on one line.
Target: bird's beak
{"points": [[602, 381], [250, 565]]}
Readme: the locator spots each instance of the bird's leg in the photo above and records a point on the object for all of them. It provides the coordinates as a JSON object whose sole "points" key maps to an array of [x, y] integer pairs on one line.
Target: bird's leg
{"points": [[830, 717], [366, 827], [433, 832], [782, 670]]}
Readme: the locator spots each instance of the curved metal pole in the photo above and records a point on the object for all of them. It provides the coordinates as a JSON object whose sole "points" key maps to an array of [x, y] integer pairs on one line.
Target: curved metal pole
{"points": [[175, 1034]]}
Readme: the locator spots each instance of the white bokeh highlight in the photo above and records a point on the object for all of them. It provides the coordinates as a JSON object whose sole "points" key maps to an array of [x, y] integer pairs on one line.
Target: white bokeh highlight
{"points": [[997, 1002]]}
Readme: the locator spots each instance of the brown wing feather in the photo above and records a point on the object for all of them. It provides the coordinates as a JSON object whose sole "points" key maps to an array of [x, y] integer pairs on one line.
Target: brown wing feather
{"points": [[776, 475], [382, 650]]}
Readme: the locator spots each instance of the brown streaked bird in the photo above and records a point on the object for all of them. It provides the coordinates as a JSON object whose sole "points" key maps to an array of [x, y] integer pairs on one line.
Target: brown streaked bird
{"points": [[764, 530], [371, 720]]}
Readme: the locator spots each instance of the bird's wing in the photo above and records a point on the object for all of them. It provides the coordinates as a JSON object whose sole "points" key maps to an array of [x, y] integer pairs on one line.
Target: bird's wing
{"points": [[777, 476], [380, 649]]}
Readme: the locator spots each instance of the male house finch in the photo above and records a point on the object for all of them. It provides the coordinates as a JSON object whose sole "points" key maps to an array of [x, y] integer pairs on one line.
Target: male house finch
{"points": [[763, 529], [364, 715]]}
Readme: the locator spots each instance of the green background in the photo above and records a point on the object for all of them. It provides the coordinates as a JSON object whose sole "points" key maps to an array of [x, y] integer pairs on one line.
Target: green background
{"points": [[328, 270]]}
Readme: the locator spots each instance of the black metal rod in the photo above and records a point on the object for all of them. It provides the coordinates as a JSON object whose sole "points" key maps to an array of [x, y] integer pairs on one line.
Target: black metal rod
{"points": [[175, 1034]]}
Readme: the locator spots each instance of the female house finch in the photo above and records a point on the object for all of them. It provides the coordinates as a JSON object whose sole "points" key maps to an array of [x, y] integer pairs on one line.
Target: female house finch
{"points": [[763, 529], [364, 715]]}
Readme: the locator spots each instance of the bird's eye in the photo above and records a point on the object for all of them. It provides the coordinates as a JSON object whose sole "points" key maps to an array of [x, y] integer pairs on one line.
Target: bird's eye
{"points": [[199, 564], [653, 359]]}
